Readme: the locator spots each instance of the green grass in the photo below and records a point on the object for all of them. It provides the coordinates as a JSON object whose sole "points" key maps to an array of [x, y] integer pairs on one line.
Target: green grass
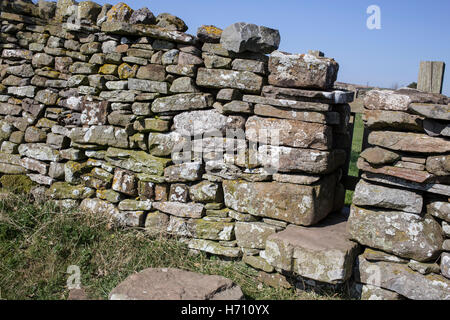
{"points": [[358, 132], [38, 242]]}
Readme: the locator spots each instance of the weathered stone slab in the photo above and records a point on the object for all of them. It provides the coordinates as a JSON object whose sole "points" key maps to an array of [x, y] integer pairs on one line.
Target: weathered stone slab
{"points": [[205, 121], [148, 86], [220, 78], [183, 102], [302, 71], [403, 234], [404, 173], [381, 119], [379, 156], [445, 264], [241, 36], [122, 28], [399, 278], [306, 116], [321, 253], [409, 142], [101, 135], [439, 165], [367, 194], [184, 172], [214, 248], [286, 159], [399, 100], [124, 182], [64, 190], [206, 191], [175, 284], [183, 210], [136, 161], [329, 97], [290, 133], [253, 234], [292, 104], [369, 292], [201, 229], [296, 178], [39, 151], [302, 205], [432, 111], [428, 187], [439, 209]]}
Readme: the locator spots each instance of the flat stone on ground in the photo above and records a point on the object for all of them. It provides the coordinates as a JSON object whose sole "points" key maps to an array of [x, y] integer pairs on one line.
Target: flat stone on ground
{"points": [[175, 284]]}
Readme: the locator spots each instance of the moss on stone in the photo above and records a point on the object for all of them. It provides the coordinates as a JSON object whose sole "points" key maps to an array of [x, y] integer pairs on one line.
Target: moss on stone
{"points": [[17, 183]]}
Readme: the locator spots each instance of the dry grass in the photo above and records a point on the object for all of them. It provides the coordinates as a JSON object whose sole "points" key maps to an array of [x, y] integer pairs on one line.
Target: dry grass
{"points": [[38, 242]]}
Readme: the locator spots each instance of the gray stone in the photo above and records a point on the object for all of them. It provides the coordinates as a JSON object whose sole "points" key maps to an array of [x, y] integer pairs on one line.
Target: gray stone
{"points": [[184, 172], [331, 97], [148, 85], [286, 159], [219, 78], [439, 209], [175, 284], [432, 111], [399, 278], [214, 247], [367, 194], [142, 15], [182, 102], [445, 264], [302, 71], [179, 209], [253, 234], [403, 234], [38, 151], [241, 36], [204, 122]]}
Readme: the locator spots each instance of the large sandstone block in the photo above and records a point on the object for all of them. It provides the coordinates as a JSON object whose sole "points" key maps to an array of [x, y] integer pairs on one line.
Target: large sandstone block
{"points": [[289, 133], [302, 71], [201, 229], [404, 234], [286, 159], [367, 194], [401, 279], [220, 78], [321, 253], [431, 111], [297, 204], [179, 209], [409, 142]]}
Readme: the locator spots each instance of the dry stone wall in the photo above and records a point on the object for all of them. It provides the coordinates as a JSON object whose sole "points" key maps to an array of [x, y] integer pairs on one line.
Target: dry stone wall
{"points": [[218, 139], [401, 209]]}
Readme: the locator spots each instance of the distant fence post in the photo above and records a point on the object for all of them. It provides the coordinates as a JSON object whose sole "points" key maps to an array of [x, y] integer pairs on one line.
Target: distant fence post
{"points": [[431, 76]]}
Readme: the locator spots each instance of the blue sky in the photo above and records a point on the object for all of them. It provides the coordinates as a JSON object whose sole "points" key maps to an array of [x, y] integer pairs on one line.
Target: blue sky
{"points": [[411, 31]]}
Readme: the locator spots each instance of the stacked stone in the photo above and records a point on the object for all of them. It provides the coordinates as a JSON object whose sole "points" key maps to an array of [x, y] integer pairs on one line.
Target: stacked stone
{"points": [[116, 111], [401, 209]]}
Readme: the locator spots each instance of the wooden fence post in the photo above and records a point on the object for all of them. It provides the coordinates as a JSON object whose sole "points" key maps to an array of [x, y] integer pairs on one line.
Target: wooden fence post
{"points": [[431, 76]]}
